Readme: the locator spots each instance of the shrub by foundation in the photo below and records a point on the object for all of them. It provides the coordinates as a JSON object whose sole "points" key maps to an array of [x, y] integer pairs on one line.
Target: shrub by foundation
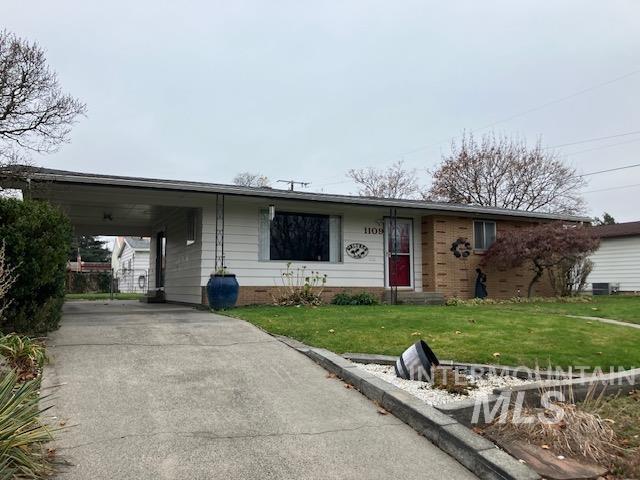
{"points": [[363, 298]]}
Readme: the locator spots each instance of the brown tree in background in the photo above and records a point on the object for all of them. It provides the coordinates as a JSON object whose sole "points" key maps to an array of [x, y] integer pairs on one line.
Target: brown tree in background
{"points": [[248, 179], [543, 248], [394, 182], [499, 171], [34, 113]]}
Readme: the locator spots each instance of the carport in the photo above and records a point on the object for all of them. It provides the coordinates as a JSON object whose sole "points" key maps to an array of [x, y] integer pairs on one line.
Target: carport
{"points": [[106, 205]]}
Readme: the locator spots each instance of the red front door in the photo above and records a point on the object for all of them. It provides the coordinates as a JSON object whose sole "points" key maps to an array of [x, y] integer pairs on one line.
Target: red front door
{"points": [[398, 243]]}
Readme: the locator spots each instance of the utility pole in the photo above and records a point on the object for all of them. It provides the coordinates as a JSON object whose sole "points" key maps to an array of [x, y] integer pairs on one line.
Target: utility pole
{"points": [[292, 183]]}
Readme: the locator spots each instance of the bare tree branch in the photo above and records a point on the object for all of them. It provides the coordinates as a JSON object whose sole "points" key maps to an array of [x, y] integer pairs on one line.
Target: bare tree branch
{"points": [[34, 113], [394, 182], [248, 179], [504, 172]]}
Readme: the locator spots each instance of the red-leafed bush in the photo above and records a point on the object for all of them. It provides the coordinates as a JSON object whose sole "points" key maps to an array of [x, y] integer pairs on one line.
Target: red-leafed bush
{"points": [[542, 248]]}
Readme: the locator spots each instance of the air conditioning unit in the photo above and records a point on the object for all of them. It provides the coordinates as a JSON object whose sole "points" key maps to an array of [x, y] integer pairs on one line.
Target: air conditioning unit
{"points": [[605, 288]]}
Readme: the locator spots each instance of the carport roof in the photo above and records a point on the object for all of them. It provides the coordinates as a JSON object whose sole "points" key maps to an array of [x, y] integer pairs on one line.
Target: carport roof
{"points": [[88, 179]]}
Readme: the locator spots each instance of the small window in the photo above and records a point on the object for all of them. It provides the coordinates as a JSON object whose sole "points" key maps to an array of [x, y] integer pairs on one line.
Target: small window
{"points": [[191, 227], [293, 236], [484, 234]]}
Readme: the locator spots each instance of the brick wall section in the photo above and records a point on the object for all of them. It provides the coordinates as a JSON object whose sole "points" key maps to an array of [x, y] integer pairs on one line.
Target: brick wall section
{"points": [[455, 277], [264, 295], [428, 249]]}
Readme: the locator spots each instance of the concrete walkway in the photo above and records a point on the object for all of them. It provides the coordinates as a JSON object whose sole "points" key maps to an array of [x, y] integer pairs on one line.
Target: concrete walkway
{"points": [[606, 320], [166, 392]]}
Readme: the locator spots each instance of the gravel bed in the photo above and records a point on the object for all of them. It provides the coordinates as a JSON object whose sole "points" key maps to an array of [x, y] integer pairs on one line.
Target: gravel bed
{"points": [[434, 396]]}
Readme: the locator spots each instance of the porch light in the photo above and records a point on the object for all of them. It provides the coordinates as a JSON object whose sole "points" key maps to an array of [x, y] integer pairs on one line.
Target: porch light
{"points": [[272, 212]]}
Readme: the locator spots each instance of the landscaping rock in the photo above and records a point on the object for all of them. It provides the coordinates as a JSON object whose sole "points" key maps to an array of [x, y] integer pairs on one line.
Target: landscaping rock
{"points": [[436, 397]]}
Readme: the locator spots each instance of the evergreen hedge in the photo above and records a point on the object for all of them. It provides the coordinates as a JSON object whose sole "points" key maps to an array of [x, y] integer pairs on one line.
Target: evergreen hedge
{"points": [[37, 238]]}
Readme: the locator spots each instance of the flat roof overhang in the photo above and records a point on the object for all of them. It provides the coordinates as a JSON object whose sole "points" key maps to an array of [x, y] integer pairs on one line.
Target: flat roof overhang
{"points": [[134, 192], [107, 210], [112, 205]]}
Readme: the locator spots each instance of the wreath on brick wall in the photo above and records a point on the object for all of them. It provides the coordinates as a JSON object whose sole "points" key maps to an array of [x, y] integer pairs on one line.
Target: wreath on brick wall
{"points": [[461, 248]]}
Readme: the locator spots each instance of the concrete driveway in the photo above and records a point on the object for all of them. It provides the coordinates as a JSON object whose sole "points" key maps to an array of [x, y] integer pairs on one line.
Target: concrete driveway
{"points": [[162, 391]]}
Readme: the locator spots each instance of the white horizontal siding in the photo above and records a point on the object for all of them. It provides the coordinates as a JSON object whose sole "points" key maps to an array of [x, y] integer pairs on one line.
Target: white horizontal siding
{"points": [[129, 280], [241, 244], [617, 261], [183, 262]]}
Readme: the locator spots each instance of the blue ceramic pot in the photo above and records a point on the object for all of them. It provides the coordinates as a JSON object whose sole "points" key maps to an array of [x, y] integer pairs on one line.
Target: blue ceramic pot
{"points": [[222, 291]]}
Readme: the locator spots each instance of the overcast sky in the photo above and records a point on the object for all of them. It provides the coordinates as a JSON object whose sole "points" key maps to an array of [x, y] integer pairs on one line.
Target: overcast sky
{"points": [[299, 89]]}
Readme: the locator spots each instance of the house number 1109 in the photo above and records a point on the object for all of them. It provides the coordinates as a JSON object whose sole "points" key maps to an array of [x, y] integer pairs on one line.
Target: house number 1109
{"points": [[373, 230]]}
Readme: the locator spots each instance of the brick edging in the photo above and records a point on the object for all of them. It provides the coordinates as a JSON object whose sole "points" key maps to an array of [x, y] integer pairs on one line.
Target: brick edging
{"points": [[473, 451]]}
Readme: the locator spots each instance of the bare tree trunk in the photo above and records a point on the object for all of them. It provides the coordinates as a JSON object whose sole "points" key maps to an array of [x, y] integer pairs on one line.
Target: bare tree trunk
{"points": [[534, 280]]}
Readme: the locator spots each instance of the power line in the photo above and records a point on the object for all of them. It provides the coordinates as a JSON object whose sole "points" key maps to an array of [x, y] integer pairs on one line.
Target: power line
{"points": [[614, 188], [334, 183], [595, 139], [579, 142], [602, 147], [610, 170], [561, 99], [525, 112], [539, 107]]}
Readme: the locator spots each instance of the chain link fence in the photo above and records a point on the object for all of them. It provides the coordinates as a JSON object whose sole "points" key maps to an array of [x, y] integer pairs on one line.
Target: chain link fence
{"points": [[124, 280], [131, 280]]}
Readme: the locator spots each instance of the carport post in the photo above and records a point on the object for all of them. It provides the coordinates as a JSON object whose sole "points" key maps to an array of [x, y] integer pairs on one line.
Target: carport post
{"points": [[111, 285]]}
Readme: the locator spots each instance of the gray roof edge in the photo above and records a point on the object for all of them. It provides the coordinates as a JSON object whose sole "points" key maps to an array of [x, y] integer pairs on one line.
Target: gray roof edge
{"points": [[61, 176], [137, 245]]}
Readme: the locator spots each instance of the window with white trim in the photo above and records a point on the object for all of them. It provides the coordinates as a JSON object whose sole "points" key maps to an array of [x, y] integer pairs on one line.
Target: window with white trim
{"points": [[484, 234], [304, 237]]}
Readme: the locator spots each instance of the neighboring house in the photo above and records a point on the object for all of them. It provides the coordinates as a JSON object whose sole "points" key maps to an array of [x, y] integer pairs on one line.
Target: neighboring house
{"points": [[361, 244], [617, 261], [130, 264]]}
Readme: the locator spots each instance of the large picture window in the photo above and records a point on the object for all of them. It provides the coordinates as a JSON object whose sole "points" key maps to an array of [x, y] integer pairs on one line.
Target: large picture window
{"points": [[484, 234], [293, 236]]}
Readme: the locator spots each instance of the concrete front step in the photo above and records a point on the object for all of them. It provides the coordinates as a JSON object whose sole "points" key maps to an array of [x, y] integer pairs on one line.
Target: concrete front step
{"points": [[416, 298]]}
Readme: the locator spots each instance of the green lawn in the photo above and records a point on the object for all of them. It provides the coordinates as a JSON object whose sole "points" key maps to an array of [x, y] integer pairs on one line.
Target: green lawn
{"points": [[625, 308], [102, 296], [524, 335]]}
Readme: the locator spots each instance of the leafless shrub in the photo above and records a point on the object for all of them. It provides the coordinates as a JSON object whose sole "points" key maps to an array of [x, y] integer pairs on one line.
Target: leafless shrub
{"points": [[579, 434], [569, 277], [583, 432], [297, 287]]}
